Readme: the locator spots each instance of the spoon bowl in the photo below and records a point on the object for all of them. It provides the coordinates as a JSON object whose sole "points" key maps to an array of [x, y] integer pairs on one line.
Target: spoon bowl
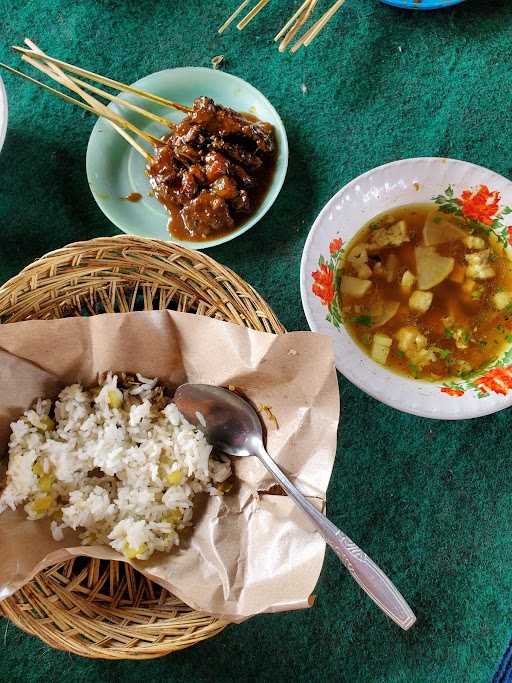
{"points": [[228, 422], [231, 424]]}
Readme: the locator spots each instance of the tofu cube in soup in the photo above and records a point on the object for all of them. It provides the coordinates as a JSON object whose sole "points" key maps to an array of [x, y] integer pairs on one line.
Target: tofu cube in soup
{"points": [[380, 348], [472, 242], [354, 286], [407, 282], [391, 236], [358, 259], [479, 266], [502, 300], [426, 293], [420, 301]]}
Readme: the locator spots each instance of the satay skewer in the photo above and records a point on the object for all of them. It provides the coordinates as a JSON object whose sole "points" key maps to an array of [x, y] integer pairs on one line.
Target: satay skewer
{"points": [[103, 93], [58, 75], [90, 75], [125, 103], [98, 107], [82, 105]]}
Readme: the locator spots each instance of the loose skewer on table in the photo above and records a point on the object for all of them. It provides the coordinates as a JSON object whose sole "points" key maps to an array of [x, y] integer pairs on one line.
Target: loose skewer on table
{"points": [[291, 20], [312, 33], [250, 16], [292, 26], [233, 16], [295, 28]]}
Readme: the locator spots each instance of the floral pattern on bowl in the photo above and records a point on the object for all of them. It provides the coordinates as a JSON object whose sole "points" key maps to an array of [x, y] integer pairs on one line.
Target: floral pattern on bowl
{"points": [[458, 188], [325, 281], [481, 209]]}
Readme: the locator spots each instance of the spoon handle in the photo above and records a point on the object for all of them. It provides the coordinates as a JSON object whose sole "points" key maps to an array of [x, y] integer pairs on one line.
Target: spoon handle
{"points": [[363, 570]]}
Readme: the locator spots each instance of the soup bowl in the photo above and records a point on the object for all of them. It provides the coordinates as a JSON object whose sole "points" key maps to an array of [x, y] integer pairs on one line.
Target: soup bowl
{"points": [[408, 181]]}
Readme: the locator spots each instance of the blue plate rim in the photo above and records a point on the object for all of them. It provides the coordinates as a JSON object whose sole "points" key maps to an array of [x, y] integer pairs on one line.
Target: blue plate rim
{"points": [[423, 4]]}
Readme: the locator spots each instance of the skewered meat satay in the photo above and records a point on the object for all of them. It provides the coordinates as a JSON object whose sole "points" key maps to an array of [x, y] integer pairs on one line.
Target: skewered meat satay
{"points": [[213, 170]]}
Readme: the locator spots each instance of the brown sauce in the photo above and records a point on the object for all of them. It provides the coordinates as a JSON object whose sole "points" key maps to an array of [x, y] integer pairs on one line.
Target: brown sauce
{"points": [[213, 171], [133, 197]]}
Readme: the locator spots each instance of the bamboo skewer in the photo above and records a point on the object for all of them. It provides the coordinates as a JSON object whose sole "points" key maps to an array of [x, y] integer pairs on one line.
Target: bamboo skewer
{"points": [[324, 21], [103, 93], [302, 39], [64, 79], [291, 20], [311, 34], [125, 103], [295, 29], [292, 26], [72, 100], [250, 15], [116, 121], [120, 124], [232, 18], [104, 80], [98, 107]]}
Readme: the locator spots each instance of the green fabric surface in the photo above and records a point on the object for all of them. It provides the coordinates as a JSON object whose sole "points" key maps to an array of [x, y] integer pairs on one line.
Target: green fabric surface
{"points": [[429, 501]]}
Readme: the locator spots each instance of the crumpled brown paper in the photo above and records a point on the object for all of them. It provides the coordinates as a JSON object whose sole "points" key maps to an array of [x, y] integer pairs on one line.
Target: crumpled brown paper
{"points": [[249, 551]]}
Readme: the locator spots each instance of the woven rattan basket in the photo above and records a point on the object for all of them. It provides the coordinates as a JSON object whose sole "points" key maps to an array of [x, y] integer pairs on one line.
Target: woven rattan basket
{"points": [[93, 608]]}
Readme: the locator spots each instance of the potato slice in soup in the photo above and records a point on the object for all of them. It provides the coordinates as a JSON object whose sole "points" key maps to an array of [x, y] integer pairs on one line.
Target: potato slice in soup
{"points": [[432, 268], [382, 312], [439, 230]]}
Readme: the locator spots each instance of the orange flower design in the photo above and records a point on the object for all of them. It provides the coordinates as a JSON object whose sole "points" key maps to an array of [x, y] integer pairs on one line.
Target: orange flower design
{"points": [[498, 380], [335, 245], [323, 284], [509, 230], [480, 206], [452, 392]]}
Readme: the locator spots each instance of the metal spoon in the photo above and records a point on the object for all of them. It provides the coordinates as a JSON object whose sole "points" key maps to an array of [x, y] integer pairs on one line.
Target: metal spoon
{"points": [[233, 426]]}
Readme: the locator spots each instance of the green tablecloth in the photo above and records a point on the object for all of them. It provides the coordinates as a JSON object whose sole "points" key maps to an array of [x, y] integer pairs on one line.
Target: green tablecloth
{"points": [[431, 502]]}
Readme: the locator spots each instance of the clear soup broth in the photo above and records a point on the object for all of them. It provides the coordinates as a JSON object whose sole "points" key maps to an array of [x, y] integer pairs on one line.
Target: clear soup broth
{"points": [[427, 294]]}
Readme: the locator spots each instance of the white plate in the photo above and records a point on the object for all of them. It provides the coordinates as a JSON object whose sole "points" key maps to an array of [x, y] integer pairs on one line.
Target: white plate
{"points": [[115, 169], [402, 182], [3, 113]]}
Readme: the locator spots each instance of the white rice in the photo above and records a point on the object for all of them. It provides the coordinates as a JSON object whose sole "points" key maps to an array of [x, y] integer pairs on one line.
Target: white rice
{"points": [[120, 465]]}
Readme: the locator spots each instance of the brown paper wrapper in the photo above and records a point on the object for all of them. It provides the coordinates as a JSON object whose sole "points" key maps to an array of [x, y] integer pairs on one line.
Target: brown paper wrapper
{"points": [[248, 552]]}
